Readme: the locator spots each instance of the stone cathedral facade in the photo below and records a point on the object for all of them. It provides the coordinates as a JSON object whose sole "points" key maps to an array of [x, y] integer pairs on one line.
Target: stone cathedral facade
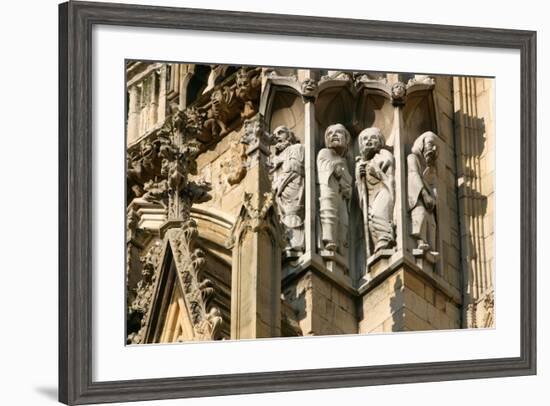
{"points": [[277, 202]]}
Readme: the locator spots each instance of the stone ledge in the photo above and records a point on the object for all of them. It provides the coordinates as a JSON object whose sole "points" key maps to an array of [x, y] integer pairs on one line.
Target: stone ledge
{"points": [[314, 262], [409, 261]]}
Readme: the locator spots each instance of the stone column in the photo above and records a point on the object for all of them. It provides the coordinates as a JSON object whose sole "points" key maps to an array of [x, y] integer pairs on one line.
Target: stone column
{"points": [[400, 155], [185, 74], [256, 265], [310, 135], [474, 142], [161, 111], [133, 114], [153, 100]]}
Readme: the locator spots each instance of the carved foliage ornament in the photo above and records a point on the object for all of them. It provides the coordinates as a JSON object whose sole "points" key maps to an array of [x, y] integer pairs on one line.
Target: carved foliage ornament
{"points": [[140, 306], [198, 291]]}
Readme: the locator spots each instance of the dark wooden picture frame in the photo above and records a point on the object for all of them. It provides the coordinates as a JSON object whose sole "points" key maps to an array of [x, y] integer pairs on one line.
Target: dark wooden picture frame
{"points": [[76, 20]]}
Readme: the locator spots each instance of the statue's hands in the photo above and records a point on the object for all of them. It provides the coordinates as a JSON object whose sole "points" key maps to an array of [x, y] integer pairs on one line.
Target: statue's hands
{"points": [[429, 201], [375, 171], [339, 171], [345, 189], [273, 163], [362, 169]]}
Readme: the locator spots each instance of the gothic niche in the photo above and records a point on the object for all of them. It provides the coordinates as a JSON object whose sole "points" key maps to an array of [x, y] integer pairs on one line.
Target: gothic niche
{"points": [[287, 168], [375, 182], [422, 192]]}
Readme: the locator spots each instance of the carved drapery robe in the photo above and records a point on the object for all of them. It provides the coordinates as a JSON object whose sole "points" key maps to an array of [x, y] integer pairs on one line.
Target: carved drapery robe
{"points": [[288, 186], [334, 195], [379, 181], [422, 196]]}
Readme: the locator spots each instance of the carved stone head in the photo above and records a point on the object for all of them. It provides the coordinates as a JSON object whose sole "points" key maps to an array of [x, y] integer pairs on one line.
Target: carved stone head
{"points": [[371, 140], [194, 121], [337, 138], [426, 146], [309, 87], [243, 83], [282, 138], [398, 91], [219, 100]]}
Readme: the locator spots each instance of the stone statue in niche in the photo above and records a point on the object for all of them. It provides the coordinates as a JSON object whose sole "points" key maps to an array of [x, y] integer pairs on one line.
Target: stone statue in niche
{"points": [[422, 192], [287, 167], [375, 182], [334, 188]]}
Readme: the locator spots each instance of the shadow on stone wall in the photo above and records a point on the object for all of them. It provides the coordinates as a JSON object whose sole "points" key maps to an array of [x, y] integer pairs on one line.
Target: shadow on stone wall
{"points": [[471, 149], [397, 307]]}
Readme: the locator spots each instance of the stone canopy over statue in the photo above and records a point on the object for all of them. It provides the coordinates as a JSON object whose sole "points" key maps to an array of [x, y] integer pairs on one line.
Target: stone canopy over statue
{"points": [[334, 188], [422, 192], [375, 182]]}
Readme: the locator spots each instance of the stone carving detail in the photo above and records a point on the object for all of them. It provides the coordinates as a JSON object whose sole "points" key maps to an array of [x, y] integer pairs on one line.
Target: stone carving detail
{"points": [[334, 188], [287, 167], [191, 123], [179, 161], [309, 88], [221, 101], [141, 304], [375, 182], [421, 79], [142, 165], [254, 216], [256, 139], [489, 307], [190, 264], [398, 93], [422, 192], [177, 146], [336, 75], [248, 85], [233, 168], [366, 77]]}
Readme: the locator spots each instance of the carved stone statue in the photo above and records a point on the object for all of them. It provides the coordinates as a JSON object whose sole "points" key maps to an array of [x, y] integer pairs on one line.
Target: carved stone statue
{"points": [[218, 115], [422, 191], [375, 182], [334, 188], [248, 86], [287, 164]]}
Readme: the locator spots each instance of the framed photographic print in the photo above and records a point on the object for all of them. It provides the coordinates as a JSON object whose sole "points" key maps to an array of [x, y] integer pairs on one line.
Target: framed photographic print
{"points": [[260, 202]]}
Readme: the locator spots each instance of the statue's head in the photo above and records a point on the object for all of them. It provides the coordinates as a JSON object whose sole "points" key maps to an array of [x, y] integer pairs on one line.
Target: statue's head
{"points": [[337, 138], [371, 140], [426, 145], [283, 137]]}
